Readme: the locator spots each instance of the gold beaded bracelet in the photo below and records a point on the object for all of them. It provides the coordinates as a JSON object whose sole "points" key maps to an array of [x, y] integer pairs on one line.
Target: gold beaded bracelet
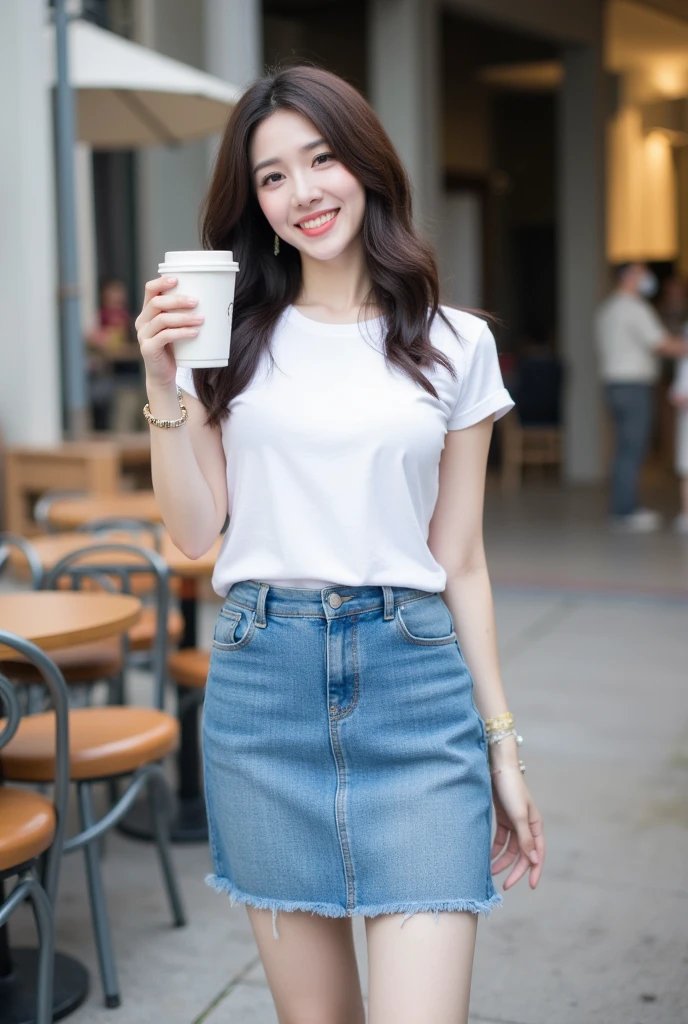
{"points": [[502, 723], [153, 421]]}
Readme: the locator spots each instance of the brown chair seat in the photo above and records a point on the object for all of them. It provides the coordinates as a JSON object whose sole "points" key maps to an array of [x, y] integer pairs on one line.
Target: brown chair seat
{"points": [[27, 826], [142, 635], [189, 667], [102, 742], [85, 663]]}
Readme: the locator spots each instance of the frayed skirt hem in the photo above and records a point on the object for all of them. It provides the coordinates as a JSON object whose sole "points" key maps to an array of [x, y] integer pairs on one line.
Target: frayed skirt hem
{"points": [[223, 885]]}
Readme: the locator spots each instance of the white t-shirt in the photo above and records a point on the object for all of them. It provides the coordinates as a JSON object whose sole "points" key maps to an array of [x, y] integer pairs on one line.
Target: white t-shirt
{"points": [[628, 330], [332, 457]]}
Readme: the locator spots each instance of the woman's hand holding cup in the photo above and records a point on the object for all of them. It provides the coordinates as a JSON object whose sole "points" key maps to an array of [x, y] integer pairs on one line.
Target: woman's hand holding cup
{"points": [[164, 318]]}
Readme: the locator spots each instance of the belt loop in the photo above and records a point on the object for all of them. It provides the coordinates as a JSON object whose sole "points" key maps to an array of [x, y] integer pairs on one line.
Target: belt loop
{"points": [[389, 603], [261, 621]]}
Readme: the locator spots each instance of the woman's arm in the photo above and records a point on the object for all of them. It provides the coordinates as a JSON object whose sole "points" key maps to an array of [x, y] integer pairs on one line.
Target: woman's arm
{"points": [[456, 541], [189, 473], [188, 462]]}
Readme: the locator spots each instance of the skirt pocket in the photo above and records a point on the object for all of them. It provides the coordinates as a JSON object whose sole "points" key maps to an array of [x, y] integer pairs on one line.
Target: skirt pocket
{"points": [[234, 629], [426, 622]]}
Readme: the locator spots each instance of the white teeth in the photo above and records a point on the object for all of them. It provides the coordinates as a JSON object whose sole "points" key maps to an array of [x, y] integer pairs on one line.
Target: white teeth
{"points": [[318, 220]]}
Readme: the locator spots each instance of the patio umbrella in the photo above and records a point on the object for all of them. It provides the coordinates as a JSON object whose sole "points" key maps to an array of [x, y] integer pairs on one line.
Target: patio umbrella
{"points": [[127, 96]]}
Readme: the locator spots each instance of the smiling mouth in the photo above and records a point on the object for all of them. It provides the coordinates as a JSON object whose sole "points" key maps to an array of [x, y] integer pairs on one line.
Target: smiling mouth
{"points": [[317, 222]]}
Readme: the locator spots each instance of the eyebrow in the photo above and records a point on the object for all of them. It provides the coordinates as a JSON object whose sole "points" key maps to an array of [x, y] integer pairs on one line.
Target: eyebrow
{"points": [[276, 160]]}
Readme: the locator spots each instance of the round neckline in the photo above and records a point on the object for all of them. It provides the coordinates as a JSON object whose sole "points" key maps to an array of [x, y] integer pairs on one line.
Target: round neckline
{"points": [[305, 323]]}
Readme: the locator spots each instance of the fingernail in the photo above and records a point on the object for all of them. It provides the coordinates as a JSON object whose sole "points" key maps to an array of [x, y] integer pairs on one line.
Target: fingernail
{"points": [[534, 857], [191, 302], [193, 332], [171, 280]]}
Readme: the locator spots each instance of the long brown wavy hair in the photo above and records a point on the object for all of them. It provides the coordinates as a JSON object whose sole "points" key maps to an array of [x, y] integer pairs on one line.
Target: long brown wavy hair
{"points": [[402, 265]]}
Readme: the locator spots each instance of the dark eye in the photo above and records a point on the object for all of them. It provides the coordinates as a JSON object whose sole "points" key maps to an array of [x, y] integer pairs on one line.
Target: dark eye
{"points": [[270, 178], [321, 158]]}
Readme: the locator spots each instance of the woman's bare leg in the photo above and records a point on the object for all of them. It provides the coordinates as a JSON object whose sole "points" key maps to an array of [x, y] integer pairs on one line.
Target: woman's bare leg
{"points": [[311, 968], [420, 971]]}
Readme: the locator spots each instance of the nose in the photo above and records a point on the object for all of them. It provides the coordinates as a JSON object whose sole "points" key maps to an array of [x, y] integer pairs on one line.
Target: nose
{"points": [[306, 191]]}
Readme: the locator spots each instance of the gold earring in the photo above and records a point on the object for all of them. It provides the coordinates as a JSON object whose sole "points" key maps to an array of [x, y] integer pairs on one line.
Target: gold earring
{"points": [[276, 248]]}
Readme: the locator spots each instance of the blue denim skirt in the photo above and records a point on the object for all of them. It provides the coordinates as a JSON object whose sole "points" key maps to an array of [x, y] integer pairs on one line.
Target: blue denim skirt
{"points": [[345, 762]]}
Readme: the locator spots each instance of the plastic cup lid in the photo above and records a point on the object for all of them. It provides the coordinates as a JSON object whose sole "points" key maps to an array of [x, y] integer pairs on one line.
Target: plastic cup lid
{"points": [[203, 258]]}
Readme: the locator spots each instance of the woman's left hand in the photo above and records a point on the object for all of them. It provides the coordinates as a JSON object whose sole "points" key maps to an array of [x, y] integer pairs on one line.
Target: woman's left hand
{"points": [[519, 842]]}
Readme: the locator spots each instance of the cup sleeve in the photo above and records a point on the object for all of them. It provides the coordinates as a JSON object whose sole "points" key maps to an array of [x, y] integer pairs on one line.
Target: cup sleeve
{"points": [[481, 391], [185, 380]]}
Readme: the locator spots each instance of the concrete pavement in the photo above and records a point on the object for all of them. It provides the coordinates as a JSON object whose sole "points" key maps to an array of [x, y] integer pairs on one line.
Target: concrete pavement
{"points": [[594, 639]]}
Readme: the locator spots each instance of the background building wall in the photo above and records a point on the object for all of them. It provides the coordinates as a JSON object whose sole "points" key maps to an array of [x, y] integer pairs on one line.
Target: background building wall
{"points": [[30, 376], [566, 20]]}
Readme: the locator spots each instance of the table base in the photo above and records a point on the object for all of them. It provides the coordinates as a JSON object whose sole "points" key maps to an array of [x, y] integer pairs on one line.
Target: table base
{"points": [[18, 990], [189, 823]]}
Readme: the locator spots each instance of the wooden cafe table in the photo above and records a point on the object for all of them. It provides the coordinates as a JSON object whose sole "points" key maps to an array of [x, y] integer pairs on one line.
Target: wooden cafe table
{"points": [[189, 820], [69, 513], [53, 619]]}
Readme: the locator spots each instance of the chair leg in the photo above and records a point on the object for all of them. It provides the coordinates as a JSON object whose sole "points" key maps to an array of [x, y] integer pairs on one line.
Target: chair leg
{"points": [[160, 803], [116, 691], [43, 915], [99, 914], [116, 696]]}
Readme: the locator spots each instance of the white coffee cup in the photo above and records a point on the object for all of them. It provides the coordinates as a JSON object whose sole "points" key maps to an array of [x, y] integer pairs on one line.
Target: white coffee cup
{"points": [[207, 275]]}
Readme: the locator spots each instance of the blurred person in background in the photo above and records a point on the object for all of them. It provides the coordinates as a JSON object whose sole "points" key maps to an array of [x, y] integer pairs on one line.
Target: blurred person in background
{"points": [[673, 307], [631, 339], [116, 384]]}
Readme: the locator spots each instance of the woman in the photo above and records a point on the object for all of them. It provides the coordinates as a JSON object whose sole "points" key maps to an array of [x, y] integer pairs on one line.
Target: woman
{"points": [[346, 765]]}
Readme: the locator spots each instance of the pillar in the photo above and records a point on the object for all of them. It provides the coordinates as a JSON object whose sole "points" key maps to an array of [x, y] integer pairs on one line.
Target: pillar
{"points": [[403, 86], [86, 236], [234, 40], [171, 180], [581, 254], [30, 376], [233, 46]]}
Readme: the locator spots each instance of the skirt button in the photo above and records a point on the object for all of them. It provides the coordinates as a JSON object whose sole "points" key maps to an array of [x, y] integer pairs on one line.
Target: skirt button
{"points": [[334, 601]]}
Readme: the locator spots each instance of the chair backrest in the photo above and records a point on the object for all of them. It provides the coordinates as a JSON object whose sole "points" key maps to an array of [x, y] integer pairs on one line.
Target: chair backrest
{"points": [[41, 510], [14, 540], [127, 524], [81, 564], [57, 688]]}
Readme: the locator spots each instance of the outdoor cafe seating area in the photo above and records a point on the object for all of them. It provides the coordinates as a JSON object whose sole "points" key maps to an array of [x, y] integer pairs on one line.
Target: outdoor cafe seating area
{"points": [[91, 588]]}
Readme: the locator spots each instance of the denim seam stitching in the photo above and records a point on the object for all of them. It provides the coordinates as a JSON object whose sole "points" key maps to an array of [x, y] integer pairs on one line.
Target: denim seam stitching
{"points": [[227, 613], [340, 813], [343, 712]]}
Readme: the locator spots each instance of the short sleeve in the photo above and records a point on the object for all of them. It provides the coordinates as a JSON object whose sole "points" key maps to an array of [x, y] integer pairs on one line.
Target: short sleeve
{"points": [[649, 328], [482, 392], [185, 380]]}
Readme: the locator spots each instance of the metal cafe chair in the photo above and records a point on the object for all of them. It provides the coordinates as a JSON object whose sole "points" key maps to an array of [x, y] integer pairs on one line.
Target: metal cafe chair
{"points": [[32, 828], [109, 744], [142, 635], [41, 510], [82, 666]]}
